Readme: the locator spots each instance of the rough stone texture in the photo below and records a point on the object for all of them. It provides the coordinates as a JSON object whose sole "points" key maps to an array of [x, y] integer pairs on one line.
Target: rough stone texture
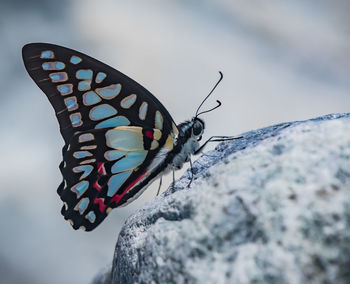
{"points": [[273, 207], [104, 276]]}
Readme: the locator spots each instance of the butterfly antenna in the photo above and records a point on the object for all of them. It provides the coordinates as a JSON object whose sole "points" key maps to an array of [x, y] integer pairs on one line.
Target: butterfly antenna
{"points": [[219, 103]]}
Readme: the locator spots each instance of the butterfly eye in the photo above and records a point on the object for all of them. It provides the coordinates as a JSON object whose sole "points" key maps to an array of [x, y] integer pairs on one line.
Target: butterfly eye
{"points": [[197, 128]]}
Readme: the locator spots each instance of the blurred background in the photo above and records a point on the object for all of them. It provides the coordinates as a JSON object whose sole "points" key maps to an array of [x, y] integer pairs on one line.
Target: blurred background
{"points": [[282, 61]]}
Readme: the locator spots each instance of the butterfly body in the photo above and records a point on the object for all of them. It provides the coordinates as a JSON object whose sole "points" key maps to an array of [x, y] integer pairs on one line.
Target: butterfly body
{"points": [[186, 143], [118, 136]]}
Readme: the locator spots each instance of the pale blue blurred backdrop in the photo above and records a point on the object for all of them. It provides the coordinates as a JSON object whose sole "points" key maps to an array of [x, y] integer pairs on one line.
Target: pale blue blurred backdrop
{"points": [[282, 61]]}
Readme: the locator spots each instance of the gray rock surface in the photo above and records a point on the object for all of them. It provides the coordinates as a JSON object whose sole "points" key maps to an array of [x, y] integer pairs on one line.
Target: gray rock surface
{"points": [[273, 207]]}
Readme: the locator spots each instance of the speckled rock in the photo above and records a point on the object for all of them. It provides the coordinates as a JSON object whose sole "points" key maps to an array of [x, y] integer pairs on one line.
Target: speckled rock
{"points": [[272, 207]]}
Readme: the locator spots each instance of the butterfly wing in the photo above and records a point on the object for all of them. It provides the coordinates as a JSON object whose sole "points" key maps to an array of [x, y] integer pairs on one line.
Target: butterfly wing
{"points": [[104, 168], [87, 93], [100, 112]]}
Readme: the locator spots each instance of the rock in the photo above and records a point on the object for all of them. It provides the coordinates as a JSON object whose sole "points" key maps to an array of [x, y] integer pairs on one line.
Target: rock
{"points": [[103, 276], [272, 207]]}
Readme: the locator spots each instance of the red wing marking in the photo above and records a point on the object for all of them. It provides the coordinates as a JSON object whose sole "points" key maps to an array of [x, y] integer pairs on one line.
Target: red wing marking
{"points": [[149, 134], [100, 203], [97, 186], [101, 168], [116, 198]]}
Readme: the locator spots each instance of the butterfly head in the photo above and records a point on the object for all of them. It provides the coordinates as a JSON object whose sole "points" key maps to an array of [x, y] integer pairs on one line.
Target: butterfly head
{"points": [[197, 128]]}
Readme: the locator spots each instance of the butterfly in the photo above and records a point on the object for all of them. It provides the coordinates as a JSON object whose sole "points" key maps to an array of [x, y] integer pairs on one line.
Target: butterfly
{"points": [[118, 136]]}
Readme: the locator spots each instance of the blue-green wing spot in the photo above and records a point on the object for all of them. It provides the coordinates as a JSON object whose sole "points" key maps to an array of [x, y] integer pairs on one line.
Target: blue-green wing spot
{"points": [[113, 122], [100, 77], [84, 85], [91, 98], [131, 161], [116, 181], [47, 54], [84, 74], [65, 89], [102, 111], [57, 65], [125, 139], [109, 92], [58, 77], [71, 103], [158, 120], [80, 188], [76, 119], [86, 137], [82, 205], [75, 59], [81, 154], [85, 170], [113, 155], [143, 110], [91, 216], [128, 101]]}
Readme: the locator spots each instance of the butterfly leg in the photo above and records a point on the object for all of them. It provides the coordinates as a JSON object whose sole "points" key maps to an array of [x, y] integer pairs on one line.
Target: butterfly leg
{"points": [[173, 184], [191, 169], [216, 139], [160, 185]]}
